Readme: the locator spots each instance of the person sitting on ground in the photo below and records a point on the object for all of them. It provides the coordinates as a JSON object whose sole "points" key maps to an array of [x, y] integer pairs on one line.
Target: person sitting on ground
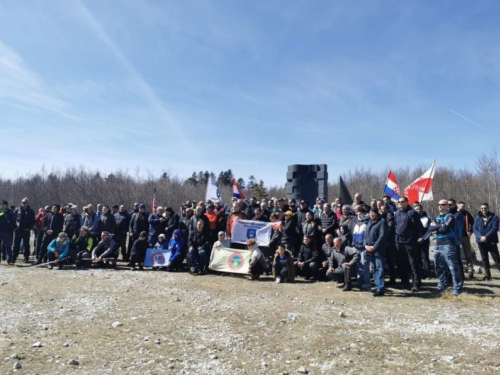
{"points": [[258, 264], [162, 242], [176, 246], [307, 264], [342, 263], [106, 250], [57, 250], [220, 243], [199, 247], [283, 267], [82, 246], [139, 249]]}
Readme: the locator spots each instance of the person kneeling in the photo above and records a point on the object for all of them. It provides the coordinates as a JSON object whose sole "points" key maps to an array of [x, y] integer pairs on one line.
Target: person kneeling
{"points": [[283, 267], [105, 251], [83, 246], [176, 247], [258, 263], [58, 250], [341, 263], [139, 249], [307, 264]]}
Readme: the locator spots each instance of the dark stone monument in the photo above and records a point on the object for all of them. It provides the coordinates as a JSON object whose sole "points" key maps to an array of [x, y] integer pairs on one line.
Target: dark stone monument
{"points": [[307, 182]]}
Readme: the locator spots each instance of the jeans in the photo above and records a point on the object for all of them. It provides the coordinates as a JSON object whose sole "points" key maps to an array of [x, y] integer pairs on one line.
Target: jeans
{"points": [[445, 258], [378, 274], [198, 258], [6, 246], [281, 270], [364, 269]]}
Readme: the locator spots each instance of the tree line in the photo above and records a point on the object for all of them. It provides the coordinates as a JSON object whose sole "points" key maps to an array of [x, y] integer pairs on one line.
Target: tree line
{"points": [[80, 186]]}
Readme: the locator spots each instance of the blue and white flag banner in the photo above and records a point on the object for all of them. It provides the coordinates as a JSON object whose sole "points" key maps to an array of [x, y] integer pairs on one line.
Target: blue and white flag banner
{"points": [[245, 229], [157, 258]]}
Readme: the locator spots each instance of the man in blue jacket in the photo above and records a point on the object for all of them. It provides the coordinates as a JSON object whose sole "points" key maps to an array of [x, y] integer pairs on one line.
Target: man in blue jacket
{"points": [[486, 232], [375, 242]]}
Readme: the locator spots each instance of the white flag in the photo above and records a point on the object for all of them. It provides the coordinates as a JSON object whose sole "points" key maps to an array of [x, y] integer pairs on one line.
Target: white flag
{"points": [[213, 192], [245, 229]]}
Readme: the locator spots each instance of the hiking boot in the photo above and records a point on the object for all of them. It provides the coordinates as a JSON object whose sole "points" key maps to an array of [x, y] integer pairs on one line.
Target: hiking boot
{"points": [[341, 285], [51, 266], [379, 293], [415, 289], [487, 275]]}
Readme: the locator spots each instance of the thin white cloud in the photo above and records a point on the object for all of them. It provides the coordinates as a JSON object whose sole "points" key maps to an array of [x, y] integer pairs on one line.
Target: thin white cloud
{"points": [[467, 119]]}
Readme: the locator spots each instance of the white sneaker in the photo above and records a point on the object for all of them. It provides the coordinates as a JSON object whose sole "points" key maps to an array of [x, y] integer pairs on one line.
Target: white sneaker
{"points": [[278, 280]]}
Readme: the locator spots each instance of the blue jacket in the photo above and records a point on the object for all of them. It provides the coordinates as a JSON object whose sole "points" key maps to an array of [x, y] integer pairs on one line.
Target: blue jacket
{"points": [[409, 228], [176, 247], [376, 235], [488, 230], [156, 226], [61, 248]]}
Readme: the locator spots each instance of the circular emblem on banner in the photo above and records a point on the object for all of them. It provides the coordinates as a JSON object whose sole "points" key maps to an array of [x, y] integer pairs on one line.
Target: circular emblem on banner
{"points": [[236, 261], [157, 258]]}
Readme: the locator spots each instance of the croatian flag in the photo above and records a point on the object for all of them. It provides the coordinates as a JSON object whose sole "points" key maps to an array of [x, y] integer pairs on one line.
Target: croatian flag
{"points": [[421, 189], [391, 187], [237, 193]]}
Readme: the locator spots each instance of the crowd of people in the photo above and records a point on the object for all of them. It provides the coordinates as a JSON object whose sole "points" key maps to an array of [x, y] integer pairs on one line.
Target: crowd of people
{"points": [[353, 245]]}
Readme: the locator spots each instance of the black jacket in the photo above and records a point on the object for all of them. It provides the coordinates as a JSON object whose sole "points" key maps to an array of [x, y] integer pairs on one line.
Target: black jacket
{"points": [[122, 220], [72, 224], [54, 223], [408, 226], [108, 223], [173, 223], [7, 221], [328, 222], [308, 254], [199, 239], [139, 223], [25, 219]]}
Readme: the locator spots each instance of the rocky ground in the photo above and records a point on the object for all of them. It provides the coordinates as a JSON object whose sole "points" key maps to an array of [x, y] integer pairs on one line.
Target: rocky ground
{"points": [[152, 322]]}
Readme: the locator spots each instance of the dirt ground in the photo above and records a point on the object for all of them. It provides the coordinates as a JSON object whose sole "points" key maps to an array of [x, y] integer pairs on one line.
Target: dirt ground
{"points": [[118, 321]]}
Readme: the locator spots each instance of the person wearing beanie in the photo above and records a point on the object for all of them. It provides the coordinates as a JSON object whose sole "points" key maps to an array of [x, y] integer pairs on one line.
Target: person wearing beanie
{"points": [[375, 243], [162, 242], [139, 249]]}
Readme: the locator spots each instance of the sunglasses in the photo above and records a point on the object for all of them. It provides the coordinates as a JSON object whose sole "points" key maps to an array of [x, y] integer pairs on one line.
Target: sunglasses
{"points": [[444, 204]]}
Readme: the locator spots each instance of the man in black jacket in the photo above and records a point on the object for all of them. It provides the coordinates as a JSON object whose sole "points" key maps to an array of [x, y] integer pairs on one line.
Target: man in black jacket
{"points": [[122, 219], [408, 230], [52, 226], [465, 238], [25, 221], [375, 241], [308, 261], [199, 249], [173, 221], [7, 224], [328, 221]]}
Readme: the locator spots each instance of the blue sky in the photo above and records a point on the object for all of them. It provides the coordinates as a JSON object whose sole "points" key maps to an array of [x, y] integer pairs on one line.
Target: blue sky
{"points": [[255, 86]]}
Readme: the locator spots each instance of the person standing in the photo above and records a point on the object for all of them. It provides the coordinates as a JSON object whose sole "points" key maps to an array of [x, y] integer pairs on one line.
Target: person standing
{"points": [[408, 230], [486, 232], [375, 242], [465, 238], [7, 224], [122, 219], [25, 221], [445, 252], [52, 226]]}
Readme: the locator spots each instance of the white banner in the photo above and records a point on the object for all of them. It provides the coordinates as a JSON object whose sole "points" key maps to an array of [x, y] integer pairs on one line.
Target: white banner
{"points": [[213, 192], [157, 258], [245, 229], [230, 260]]}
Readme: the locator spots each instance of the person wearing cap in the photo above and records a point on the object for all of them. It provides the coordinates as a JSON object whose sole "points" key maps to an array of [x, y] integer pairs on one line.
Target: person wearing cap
{"points": [[173, 221], [289, 232], [106, 250], [25, 221], [220, 243], [177, 248], [139, 223], [375, 242], [139, 249], [91, 221], [52, 225], [57, 250], [308, 260], [7, 225], [157, 225], [122, 219]]}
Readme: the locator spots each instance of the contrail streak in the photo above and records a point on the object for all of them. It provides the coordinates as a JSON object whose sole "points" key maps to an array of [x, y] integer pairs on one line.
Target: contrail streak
{"points": [[465, 118]]}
